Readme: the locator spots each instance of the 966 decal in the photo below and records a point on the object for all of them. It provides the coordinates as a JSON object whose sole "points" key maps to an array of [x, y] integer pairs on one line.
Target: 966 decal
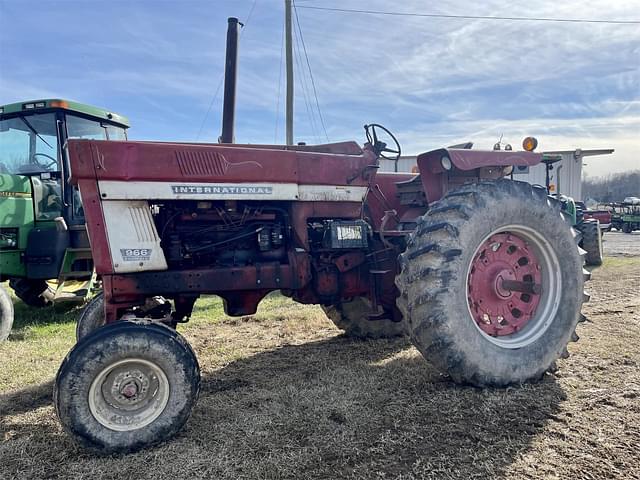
{"points": [[135, 254]]}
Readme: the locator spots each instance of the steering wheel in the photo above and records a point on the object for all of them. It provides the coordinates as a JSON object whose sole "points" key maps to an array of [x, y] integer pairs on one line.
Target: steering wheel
{"points": [[48, 166], [380, 147]]}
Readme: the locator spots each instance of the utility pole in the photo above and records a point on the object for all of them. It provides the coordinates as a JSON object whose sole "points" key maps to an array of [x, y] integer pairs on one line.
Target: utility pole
{"points": [[288, 40]]}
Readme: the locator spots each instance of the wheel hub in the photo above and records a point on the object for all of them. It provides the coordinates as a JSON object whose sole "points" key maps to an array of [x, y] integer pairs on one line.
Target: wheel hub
{"points": [[129, 394], [129, 386], [129, 390], [504, 284]]}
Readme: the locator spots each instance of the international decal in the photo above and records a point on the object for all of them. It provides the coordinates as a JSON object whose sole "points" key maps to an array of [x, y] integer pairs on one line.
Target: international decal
{"points": [[221, 190]]}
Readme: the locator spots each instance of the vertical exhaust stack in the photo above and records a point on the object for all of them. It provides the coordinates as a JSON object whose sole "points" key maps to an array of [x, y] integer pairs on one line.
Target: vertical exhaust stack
{"points": [[230, 80]]}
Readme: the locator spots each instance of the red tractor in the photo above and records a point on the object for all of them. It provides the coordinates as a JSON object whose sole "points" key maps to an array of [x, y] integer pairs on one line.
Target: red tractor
{"points": [[481, 272]]}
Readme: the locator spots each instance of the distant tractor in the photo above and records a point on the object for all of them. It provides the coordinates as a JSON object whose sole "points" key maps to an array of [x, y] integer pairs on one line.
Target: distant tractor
{"points": [[42, 232], [626, 216], [602, 215]]}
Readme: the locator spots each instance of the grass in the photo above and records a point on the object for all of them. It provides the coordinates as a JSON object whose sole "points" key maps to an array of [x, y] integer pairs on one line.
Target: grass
{"points": [[40, 338], [613, 262], [285, 395]]}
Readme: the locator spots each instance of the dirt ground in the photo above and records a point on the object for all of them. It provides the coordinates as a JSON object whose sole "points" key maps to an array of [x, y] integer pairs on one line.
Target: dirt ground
{"points": [[285, 395]]}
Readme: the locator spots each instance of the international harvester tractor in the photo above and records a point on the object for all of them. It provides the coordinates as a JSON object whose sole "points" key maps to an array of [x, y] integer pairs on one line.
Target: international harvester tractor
{"points": [[482, 273]]}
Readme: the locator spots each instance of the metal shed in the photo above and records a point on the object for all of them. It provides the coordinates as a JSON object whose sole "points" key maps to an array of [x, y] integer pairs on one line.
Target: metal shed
{"points": [[566, 176]]}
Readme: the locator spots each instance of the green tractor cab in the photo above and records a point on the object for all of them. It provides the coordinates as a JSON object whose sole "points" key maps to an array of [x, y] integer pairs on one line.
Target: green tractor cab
{"points": [[44, 248]]}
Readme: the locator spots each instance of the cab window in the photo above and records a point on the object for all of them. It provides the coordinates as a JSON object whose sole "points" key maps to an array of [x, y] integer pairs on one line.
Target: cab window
{"points": [[79, 127], [116, 133], [29, 144], [83, 128]]}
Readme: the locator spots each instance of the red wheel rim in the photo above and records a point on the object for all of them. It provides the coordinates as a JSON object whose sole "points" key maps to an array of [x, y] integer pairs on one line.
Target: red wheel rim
{"points": [[504, 284]]}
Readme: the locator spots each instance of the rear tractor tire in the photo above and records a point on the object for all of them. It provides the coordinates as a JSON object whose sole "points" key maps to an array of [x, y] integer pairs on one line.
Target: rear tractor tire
{"points": [[6, 314], [353, 318], [127, 386], [491, 284], [35, 293], [592, 241]]}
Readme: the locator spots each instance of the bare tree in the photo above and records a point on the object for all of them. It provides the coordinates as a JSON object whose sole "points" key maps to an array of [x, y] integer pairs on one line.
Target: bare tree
{"points": [[612, 188]]}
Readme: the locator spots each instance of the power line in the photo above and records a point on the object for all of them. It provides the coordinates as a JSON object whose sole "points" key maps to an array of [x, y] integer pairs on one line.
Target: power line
{"points": [[313, 83], [246, 22], [206, 115], [472, 17], [215, 95], [302, 79]]}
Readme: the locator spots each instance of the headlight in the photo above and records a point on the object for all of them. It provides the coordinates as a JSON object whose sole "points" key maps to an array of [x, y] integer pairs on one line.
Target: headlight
{"points": [[445, 161]]}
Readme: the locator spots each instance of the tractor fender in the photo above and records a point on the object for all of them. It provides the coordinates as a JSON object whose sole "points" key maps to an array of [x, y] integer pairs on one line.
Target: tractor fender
{"points": [[435, 178]]}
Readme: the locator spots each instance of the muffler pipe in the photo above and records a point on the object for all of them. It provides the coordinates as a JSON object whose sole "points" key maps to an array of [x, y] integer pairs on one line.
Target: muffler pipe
{"points": [[230, 81]]}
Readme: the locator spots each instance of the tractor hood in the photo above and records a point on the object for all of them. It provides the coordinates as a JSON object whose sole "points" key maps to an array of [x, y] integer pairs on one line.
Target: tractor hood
{"points": [[464, 159], [14, 185]]}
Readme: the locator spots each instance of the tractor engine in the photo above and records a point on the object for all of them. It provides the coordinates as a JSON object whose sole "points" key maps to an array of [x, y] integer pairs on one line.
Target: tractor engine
{"points": [[221, 234], [229, 236]]}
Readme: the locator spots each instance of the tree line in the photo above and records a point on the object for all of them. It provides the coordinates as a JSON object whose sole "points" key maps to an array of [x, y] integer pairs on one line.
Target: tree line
{"points": [[612, 188]]}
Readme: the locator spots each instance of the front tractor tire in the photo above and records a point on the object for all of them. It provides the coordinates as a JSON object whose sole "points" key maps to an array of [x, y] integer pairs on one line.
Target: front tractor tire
{"points": [[592, 241], [492, 284], [353, 317], [127, 386], [6, 314], [35, 293]]}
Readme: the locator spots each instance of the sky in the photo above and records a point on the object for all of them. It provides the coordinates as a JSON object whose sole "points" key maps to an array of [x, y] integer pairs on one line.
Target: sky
{"points": [[432, 81]]}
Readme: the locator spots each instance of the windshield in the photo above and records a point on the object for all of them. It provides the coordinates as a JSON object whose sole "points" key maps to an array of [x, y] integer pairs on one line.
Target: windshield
{"points": [[29, 144], [79, 127]]}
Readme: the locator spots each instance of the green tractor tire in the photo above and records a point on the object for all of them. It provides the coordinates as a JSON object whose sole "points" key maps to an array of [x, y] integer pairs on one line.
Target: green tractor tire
{"points": [[35, 293], [592, 242], [6, 314]]}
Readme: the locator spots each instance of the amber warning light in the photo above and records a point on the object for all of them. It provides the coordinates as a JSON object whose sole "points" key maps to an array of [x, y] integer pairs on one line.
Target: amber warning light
{"points": [[529, 144], [59, 104]]}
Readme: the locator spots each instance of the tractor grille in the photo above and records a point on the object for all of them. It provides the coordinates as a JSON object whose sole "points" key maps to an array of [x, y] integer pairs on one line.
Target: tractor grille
{"points": [[198, 164], [142, 222]]}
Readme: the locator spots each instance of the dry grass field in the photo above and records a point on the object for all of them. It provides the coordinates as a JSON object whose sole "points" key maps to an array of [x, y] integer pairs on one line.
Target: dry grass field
{"points": [[285, 395]]}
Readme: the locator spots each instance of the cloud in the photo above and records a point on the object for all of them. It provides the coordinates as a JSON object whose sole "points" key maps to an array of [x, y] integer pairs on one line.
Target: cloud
{"points": [[433, 81]]}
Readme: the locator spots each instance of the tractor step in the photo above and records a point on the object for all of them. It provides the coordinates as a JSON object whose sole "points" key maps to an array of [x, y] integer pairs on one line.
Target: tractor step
{"points": [[77, 297]]}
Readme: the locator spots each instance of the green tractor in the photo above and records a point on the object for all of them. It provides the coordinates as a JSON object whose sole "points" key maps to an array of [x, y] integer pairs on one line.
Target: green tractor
{"points": [[44, 247], [588, 228], [626, 215]]}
